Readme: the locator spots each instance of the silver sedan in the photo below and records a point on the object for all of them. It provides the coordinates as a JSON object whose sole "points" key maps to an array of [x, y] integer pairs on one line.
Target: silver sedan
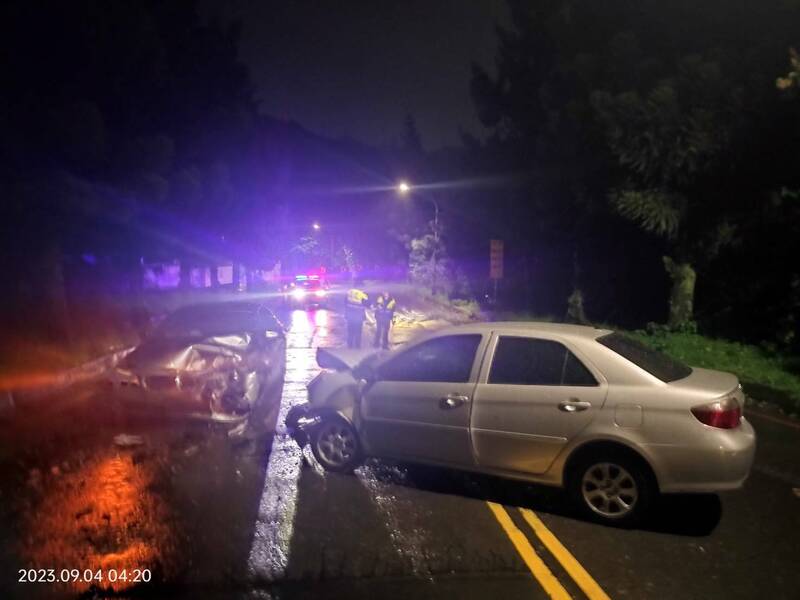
{"points": [[591, 410]]}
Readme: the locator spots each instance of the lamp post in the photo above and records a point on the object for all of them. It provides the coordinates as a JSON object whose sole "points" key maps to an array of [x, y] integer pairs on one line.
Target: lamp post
{"points": [[332, 253], [403, 189]]}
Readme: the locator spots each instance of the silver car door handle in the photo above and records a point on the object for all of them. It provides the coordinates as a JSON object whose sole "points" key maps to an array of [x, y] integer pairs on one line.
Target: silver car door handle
{"points": [[574, 405], [452, 401]]}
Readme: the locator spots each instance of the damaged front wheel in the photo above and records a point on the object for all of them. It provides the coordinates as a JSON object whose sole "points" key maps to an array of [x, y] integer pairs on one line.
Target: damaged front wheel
{"points": [[335, 445]]}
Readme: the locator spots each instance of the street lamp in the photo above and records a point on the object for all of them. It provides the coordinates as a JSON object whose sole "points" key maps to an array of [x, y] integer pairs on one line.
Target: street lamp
{"points": [[317, 227], [403, 189]]}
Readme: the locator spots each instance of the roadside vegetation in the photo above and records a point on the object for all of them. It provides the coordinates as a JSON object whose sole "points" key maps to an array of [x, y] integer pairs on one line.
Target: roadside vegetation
{"points": [[441, 307]]}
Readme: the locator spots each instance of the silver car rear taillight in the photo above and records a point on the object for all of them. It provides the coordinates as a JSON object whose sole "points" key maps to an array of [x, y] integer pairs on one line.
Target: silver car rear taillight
{"points": [[724, 414]]}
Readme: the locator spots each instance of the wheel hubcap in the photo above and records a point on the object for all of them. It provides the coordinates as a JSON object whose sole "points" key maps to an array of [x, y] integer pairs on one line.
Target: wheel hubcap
{"points": [[336, 444], [609, 490]]}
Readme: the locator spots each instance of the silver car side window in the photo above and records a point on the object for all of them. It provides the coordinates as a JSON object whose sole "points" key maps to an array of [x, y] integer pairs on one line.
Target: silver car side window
{"points": [[532, 361], [443, 359]]}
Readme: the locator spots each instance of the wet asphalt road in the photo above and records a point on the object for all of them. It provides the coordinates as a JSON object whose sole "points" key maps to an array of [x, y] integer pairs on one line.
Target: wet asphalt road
{"points": [[209, 518]]}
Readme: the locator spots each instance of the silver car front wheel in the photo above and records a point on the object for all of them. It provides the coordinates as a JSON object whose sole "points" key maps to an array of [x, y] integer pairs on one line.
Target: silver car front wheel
{"points": [[609, 490], [336, 446]]}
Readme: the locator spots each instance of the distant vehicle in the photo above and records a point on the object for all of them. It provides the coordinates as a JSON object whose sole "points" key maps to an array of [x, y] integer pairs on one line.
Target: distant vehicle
{"points": [[305, 291], [606, 417], [213, 361]]}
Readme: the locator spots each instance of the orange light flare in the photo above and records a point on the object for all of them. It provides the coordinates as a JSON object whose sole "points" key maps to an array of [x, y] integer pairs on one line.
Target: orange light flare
{"points": [[27, 381], [39, 365], [101, 516]]}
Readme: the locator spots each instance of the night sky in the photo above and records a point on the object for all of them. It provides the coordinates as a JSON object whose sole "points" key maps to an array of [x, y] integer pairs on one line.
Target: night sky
{"points": [[355, 68]]}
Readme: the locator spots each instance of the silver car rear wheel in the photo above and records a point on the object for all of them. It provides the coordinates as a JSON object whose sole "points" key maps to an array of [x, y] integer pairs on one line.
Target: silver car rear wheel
{"points": [[609, 490], [335, 445]]}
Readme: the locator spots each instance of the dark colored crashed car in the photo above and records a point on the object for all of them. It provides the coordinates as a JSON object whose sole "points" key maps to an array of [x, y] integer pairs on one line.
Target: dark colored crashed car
{"points": [[216, 361]]}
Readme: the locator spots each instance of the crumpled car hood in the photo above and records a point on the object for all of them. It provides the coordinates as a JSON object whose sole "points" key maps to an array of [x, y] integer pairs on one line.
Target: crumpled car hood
{"points": [[184, 354], [222, 375], [323, 388]]}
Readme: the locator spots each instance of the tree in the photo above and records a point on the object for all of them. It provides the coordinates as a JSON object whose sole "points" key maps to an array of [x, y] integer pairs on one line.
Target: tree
{"points": [[118, 133], [665, 109], [791, 81], [307, 249], [538, 112], [427, 263], [673, 144], [690, 142], [789, 86]]}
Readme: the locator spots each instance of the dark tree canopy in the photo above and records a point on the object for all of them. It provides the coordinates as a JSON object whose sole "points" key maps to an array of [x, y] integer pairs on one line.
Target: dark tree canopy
{"points": [[665, 114], [129, 107]]}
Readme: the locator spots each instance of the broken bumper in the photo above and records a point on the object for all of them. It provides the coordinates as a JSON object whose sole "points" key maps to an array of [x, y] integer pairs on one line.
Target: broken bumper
{"points": [[300, 423]]}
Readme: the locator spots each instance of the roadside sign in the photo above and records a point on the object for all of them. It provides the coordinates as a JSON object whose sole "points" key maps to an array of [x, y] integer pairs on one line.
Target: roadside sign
{"points": [[496, 259]]}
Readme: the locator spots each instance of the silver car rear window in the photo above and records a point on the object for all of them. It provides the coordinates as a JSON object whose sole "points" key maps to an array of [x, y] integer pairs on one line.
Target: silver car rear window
{"points": [[654, 362]]}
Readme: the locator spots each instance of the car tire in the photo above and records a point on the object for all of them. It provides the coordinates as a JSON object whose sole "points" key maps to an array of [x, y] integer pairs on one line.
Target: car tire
{"points": [[612, 488], [336, 446]]}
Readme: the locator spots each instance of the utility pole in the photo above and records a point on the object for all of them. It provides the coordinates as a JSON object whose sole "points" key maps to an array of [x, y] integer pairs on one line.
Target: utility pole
{"points": [[435, 243]]}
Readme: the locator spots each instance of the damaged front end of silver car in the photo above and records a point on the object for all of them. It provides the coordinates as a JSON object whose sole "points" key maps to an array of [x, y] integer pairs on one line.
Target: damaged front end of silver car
{"points": [[301, 421], [334, 393]]}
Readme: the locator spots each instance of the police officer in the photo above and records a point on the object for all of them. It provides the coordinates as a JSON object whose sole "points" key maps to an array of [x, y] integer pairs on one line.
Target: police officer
{"points": [[354, 313], [384, 315]]}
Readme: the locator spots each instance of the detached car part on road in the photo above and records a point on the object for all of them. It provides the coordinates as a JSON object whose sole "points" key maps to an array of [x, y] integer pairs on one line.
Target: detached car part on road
{"points": [[591, 410], [208, 360]]}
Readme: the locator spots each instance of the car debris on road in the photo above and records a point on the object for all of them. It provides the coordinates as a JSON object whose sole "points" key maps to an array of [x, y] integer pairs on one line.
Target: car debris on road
{"points": [[125, 440]]}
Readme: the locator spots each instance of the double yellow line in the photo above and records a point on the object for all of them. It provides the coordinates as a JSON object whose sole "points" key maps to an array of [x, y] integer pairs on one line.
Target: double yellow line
{"points": [[551, 585]]}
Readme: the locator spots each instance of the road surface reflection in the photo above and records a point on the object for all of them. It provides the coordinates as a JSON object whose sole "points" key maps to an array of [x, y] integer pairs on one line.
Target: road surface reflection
{"points": [[272, 536], [103, 515], [185, 502]]}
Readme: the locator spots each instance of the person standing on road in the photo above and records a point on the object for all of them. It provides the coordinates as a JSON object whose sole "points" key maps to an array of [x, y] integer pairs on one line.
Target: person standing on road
{"points": [[355, 313], [384, 315]]}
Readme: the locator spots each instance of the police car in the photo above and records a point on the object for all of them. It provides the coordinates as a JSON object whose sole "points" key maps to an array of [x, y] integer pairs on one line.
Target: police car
{"points": [[305, 291]]}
